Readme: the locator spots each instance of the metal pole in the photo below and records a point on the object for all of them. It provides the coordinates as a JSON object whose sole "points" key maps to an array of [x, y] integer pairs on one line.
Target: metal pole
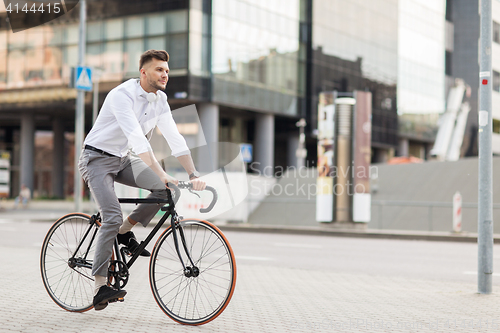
{"points": [[485, 201], [80, 109]]}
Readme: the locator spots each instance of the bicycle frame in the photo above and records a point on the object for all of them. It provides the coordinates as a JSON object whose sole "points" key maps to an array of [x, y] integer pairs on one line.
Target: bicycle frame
{"points": [[169, 210]]}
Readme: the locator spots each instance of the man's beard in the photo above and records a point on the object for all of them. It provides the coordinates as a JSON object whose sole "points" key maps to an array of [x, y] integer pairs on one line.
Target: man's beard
{"points": [[155, 85]]}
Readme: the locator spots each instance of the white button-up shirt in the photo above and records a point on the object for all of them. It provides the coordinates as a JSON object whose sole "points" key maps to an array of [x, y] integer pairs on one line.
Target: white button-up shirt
{"points": [[126, 117]]}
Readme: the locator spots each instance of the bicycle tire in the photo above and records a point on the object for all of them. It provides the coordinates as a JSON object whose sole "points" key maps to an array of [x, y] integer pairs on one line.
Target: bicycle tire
{"points": [[193, 300], [70, 288]]}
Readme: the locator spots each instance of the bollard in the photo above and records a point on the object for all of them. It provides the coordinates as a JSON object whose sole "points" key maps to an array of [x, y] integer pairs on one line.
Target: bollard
{"points": [[457, 212]]}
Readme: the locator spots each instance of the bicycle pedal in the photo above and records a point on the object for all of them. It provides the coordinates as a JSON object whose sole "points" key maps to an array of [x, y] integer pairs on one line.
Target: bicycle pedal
{"points": [[127, 251], [121, 299]]}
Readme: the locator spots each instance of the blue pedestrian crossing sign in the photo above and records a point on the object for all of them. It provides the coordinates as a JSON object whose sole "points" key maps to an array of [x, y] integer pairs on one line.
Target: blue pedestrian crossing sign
{"points": [[246, 152], [83, 78]]}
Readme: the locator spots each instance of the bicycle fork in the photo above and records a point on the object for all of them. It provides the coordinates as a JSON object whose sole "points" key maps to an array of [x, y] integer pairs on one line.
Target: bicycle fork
{"points": [[189, 271]]}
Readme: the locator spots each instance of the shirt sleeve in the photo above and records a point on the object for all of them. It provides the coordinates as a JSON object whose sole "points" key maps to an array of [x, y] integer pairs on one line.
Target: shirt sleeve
{"points": [[122, 107], [169, 130]]}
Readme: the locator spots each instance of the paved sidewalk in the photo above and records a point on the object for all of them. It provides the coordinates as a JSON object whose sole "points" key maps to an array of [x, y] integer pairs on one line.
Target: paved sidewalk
{"points": [[267, 299]]}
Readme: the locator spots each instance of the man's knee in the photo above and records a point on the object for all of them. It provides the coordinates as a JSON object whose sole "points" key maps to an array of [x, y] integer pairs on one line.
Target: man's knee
{"points": [[160, 193], [112, 221]]}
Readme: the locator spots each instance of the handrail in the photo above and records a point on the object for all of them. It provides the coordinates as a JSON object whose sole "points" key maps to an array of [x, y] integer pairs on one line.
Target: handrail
{"points": [[425, 203]]}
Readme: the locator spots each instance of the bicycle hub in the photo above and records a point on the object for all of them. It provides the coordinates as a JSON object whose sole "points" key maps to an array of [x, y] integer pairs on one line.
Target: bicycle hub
{"points": [[191, 271]]}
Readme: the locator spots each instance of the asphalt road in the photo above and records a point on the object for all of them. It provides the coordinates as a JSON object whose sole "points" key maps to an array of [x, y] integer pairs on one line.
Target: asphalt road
{"points": [[442, 261]]}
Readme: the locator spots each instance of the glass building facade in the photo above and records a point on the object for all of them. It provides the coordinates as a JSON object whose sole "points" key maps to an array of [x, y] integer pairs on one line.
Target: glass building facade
{"points": [[258, 60], [44, 55], [355, 47], [421, 56], [247, 58], [356, 29], [240, 56]]}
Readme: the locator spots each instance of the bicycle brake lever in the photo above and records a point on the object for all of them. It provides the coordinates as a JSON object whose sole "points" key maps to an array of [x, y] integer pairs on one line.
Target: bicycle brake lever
{"points": [[191, 190]]}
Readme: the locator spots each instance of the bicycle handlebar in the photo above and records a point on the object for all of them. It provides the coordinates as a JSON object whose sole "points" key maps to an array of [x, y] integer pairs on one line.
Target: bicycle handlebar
{"points": [[187, 185]]}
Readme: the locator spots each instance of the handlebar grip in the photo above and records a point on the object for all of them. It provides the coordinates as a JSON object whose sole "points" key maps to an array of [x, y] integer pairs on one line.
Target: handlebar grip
{"points": [[214, 200], [187, 185], [177, 192]]}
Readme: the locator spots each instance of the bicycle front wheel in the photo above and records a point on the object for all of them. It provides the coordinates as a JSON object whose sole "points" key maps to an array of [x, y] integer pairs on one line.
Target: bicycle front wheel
{"points": [[66, 272], [193, 299]]}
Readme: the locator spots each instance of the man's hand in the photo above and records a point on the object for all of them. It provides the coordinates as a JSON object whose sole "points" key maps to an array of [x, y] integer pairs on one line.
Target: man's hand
{"points": [[169, 179], [198, 184]]}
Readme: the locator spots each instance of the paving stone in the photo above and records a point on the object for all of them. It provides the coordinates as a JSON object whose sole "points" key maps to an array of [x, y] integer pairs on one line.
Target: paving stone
{"points": [[266, 299]]}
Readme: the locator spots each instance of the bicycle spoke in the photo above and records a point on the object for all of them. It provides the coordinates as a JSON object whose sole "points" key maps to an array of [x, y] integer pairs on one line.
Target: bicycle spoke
{"points": [[69, 287]]}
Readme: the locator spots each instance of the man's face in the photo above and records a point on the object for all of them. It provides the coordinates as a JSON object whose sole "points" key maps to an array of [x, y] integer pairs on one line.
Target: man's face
{"points": [[155, 75]]}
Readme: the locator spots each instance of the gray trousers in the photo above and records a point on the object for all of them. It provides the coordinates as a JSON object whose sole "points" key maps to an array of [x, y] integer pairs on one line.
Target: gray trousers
{"points": [[100, 172]]}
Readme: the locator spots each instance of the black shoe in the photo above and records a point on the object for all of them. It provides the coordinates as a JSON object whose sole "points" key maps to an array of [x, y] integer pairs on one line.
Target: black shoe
{"points": [[128, 239], [107, 295]]}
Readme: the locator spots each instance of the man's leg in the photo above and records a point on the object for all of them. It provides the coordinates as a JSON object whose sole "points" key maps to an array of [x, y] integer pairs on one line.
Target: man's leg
{"points": [[102, 188], [137, 174], [99, 173]]}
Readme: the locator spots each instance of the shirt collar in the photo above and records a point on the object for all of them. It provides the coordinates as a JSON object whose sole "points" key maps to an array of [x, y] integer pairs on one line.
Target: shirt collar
{"points": [[141, 90], [144, 93]]}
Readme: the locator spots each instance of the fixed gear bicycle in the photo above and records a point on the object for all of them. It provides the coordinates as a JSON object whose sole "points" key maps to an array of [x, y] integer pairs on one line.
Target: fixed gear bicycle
{"points": [[192, 269]]}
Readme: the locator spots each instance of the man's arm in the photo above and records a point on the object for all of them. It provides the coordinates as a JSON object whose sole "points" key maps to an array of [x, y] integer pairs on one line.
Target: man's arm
{"points": [[150, 159], [177, 143], [187, 163]]}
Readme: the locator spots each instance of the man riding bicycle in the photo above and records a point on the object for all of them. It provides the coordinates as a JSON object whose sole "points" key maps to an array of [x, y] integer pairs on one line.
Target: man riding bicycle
{"points": [[130, 111]]}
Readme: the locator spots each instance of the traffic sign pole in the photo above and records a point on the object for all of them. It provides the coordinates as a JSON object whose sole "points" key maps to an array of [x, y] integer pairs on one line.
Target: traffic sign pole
{"points": [[485, 197], [80, 109]]}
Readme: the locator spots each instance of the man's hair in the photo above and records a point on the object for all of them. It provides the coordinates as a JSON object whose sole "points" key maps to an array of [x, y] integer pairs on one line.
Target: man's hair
{"points": [[150, 54]]}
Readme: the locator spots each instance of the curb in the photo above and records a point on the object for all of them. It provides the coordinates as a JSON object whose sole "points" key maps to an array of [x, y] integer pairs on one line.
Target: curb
{"points": [[370, 233], [441, 236]]}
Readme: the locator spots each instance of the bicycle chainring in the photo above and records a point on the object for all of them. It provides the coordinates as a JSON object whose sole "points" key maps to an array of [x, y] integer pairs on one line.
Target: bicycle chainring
{"points": [[118, 274]]}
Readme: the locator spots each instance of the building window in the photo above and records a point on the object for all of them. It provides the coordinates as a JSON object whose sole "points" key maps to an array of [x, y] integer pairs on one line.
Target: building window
{"points": [[496, 81], [496, 32], [134, 27], [113, 29], [447, 63], [496, 126], [449, 8], [94, 32]]}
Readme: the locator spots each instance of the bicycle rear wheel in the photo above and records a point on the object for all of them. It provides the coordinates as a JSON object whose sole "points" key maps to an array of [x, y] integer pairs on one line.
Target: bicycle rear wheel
{"points": [[68, 279], [193, 300]]}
